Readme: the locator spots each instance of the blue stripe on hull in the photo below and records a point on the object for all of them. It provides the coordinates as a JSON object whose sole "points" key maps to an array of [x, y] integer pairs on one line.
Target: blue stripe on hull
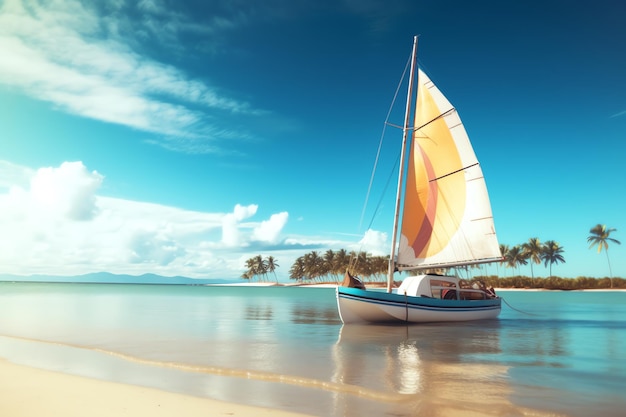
{"points": [[378, 306]]}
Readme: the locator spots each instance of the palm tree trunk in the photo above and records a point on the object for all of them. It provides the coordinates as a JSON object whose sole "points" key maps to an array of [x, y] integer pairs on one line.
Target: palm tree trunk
{"points": [[610, 272]]}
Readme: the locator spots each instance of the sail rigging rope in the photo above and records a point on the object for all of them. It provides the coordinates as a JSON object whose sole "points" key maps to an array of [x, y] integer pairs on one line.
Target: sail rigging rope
{"points": [[380, 144], [354, 260]]}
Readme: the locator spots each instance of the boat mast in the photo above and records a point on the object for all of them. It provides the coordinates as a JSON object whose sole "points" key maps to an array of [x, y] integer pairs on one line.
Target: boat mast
{"points": [[406, 130]]}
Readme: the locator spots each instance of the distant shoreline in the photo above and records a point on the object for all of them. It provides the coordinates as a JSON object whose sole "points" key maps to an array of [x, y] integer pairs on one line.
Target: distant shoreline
{"points": [[280, 284]]}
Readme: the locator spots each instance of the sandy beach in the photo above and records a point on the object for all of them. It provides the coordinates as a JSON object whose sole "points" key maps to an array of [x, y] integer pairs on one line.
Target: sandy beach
{"points": [[28, 392]]}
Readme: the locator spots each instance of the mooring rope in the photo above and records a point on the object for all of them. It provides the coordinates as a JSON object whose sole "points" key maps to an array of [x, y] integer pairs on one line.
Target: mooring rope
{"points": [[518, 310]]}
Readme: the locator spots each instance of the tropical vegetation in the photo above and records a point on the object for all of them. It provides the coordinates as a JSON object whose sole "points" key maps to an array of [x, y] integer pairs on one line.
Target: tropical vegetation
{"points": [[552, 282], [260, 267], [330, 266], [534, 251]]}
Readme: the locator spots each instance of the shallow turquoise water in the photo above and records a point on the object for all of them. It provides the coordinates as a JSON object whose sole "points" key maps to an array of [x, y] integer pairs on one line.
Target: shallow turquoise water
{"points": [[285, 347]]}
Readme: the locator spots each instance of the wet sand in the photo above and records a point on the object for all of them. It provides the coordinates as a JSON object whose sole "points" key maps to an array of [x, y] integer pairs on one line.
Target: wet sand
{"points": [[30, 392]]}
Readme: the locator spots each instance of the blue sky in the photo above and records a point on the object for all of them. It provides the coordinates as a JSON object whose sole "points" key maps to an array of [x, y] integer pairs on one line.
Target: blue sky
{"points": [[183, 137]]}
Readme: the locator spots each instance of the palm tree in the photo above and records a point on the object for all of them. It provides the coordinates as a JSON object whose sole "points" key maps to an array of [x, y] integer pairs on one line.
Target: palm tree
{"points": [[359, 263], [343, 260], [331, 261], [255, 266], [532, 251], [260, 267], [504, 250], [380, 265], [297, 269], [251, 272], [600, 237], [271, 264], [551, 253], [515, 257], [314, 265]]}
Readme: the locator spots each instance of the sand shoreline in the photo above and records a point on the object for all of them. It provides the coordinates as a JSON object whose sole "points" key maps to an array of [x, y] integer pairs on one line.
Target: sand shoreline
{"points": [[30, 392]]}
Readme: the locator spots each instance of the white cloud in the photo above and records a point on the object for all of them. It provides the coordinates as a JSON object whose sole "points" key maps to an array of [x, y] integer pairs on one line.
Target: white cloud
{"points": [[374, 242], [243, 212], [231, 234], [55, 223], [154, 247], [59, 51], [68, 190], [269, 230]]}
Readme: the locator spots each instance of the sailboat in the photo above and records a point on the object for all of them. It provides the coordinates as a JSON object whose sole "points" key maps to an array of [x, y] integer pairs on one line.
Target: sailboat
{"points": [[446, 222]]}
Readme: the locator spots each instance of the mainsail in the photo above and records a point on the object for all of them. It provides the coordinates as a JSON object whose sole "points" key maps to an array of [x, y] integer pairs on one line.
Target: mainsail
{"points": [[447, 218]]}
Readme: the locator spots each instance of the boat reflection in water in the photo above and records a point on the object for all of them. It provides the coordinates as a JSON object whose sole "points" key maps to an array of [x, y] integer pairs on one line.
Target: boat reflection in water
{"points": [[440, 369]]}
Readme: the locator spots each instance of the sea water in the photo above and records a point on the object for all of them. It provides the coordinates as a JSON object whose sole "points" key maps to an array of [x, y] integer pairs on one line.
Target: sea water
{"points": [[549, 353]]}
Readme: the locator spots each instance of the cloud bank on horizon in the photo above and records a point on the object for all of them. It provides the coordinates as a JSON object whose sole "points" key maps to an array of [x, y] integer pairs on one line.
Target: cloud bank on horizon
{"points": [[53, 220]]}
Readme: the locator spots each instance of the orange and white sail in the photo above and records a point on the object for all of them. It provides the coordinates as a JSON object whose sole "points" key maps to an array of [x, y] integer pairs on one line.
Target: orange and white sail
{"points": [[447, 217]]}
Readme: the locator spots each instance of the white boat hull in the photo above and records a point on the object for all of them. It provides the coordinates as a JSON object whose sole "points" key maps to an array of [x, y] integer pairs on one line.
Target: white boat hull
{"points": [[366, 306]]}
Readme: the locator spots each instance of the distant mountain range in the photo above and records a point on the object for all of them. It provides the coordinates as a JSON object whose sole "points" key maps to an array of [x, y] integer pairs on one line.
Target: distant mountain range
{"points": [[108, 278]]}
